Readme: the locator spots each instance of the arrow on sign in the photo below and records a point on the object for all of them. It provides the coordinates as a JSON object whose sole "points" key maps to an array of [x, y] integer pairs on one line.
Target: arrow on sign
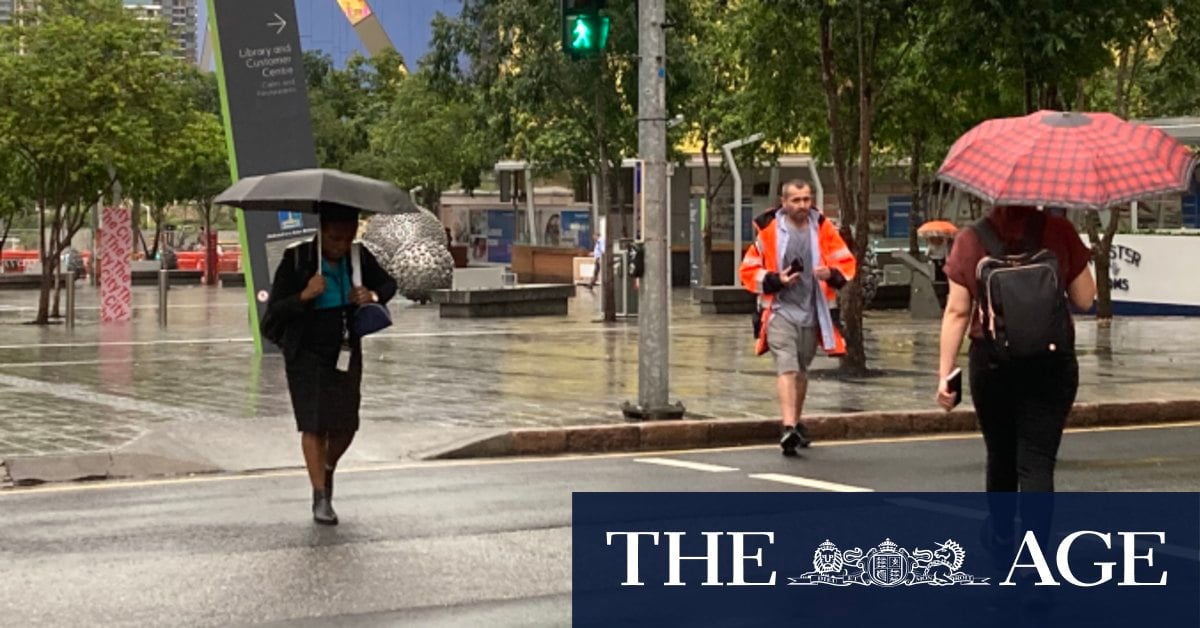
{"points": [[280, 22]]}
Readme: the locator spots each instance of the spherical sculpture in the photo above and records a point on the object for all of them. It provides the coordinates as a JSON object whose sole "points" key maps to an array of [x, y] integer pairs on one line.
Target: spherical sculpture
{"points": [[412, 249]]}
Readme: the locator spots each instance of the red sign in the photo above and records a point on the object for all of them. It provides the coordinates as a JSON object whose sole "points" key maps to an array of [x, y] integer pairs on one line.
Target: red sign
{"points": [[116, 279]]}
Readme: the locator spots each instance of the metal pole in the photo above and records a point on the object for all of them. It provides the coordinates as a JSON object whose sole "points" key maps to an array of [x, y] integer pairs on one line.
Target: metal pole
{"points": [[595, 210], [654, 332], [737, 210], [774, 189], [164, 280], [727, 152], [816, 181], [70, 299], [670, 241], [533, 230]]}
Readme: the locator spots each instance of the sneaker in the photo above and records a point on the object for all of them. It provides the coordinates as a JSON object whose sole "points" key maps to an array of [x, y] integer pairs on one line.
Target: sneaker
{"points": [[805, 441], [790, 441]]}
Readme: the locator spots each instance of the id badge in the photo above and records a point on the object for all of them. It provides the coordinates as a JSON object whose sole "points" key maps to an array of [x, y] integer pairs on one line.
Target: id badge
{"points": [[343, 361]]}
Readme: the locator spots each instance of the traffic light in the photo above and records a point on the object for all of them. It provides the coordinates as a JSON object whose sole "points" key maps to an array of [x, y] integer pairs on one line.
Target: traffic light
{"points": [[584, 30]]}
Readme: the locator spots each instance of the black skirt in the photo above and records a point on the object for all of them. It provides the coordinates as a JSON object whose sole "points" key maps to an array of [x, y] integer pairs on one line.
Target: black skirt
{"points": [[325, 399]]}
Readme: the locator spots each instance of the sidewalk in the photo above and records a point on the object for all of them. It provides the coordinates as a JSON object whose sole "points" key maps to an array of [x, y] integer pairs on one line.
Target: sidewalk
{"points": [[195, 397]]}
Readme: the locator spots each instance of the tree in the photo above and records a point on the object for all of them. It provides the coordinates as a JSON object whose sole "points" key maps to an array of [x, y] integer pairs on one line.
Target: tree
{"points": [[942, 87], [538, 105], [1084, 56], [15, 192], [425, 139], [711, 64], [345, 103], [1172, 81], [852, 51], [80, 82]]}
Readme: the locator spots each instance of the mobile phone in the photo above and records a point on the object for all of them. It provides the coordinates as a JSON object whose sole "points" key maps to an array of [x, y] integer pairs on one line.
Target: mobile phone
{"points": [[796, 266], [954, 384]]}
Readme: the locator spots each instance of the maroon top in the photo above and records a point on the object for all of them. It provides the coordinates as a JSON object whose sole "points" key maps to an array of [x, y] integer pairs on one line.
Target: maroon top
{"points": [[1009, 223]]}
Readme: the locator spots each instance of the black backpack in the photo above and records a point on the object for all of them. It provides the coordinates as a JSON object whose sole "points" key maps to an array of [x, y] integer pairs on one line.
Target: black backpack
{"points": [[1021, 300], [274, 328]]}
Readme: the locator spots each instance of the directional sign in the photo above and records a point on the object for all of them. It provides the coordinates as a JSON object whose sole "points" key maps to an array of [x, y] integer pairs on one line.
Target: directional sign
{"points": [[279, 24], [267, 124]]}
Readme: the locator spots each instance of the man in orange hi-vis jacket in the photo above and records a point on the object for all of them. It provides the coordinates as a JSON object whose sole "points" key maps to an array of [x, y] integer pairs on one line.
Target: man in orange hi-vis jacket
{"points": [[795, 266]]}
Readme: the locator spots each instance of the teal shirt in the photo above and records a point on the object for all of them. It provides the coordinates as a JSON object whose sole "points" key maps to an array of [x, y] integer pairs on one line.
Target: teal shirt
{"points": [[337, 285]]}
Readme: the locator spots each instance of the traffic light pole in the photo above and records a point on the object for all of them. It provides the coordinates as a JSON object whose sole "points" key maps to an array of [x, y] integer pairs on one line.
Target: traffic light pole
{"points": [[654, 336]]}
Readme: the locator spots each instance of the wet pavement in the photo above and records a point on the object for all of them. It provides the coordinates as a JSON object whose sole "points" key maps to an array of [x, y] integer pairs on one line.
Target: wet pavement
{"points": [[429, 382], [468, 543]]}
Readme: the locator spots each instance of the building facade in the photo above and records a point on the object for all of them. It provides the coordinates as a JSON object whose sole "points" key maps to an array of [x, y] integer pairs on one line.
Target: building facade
{"points": [[181, 17]]}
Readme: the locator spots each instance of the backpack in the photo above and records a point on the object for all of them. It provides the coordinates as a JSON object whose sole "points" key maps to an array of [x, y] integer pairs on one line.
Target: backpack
{"points": [[1022, 304], [273, 328]]}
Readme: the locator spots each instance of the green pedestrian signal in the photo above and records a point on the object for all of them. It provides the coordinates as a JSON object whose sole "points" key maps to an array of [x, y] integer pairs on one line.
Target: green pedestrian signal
{"points": [[584, 30], [583, 34]]}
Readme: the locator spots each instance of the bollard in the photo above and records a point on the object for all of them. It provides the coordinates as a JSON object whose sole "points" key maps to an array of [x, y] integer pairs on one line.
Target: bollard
{"points": [[164, 280], [70, 300]]}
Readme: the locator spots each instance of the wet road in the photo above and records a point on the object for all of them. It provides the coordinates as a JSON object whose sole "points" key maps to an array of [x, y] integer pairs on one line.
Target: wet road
{"points": [[438, 544]]}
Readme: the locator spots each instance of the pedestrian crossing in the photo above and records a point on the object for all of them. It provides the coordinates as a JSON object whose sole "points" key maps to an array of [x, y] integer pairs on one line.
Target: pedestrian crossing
{"points": [[780, 478]]}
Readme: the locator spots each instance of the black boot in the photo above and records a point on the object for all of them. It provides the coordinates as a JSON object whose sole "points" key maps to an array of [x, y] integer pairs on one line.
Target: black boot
{"points": [[323, 509], [329, 481]]}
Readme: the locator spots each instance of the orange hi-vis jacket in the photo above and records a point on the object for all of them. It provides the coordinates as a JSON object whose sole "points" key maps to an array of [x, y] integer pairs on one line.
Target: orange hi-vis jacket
{"points": [[760, 273]]}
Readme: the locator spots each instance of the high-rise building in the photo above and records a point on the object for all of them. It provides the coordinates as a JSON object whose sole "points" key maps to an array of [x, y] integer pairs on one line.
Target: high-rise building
{"points": [[10, 8], [180, 16]]}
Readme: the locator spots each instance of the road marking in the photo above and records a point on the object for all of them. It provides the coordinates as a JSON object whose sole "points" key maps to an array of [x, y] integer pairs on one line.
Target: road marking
{"points": [[820, 485], [687, 464], [480, 462]]}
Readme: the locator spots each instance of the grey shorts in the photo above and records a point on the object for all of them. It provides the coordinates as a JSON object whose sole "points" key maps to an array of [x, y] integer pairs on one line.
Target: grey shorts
{"points": [[794, 347]]}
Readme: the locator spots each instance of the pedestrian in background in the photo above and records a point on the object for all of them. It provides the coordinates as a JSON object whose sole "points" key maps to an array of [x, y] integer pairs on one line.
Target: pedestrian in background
{"points": [[797, 260], [597, 261]]}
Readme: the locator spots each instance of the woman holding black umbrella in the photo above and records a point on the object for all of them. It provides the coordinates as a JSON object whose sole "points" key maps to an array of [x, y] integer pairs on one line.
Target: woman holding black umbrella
{"points": [[312, 313]]}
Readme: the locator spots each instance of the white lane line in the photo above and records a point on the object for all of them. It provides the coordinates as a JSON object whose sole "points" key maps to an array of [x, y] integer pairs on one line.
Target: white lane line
{"points": [[686, 464], [820, 485]]}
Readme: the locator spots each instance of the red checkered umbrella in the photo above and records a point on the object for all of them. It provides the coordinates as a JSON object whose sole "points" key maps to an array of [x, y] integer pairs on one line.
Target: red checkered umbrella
{"points": [[1063, 159]]}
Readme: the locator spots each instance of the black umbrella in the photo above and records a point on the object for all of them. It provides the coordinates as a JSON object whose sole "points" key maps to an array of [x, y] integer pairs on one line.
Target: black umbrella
{"points": [[311, 190], [306, 190]]}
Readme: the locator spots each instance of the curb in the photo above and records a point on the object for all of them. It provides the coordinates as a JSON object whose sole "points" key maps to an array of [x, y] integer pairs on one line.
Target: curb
{"points": [[711, 433]]}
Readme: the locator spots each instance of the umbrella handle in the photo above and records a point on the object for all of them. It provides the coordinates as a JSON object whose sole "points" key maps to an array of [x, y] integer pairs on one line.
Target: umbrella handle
{"points": [[318, 269]]}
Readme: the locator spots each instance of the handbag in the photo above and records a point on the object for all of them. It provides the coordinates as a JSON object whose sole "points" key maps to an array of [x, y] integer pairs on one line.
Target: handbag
{"points": [[369, 318]]}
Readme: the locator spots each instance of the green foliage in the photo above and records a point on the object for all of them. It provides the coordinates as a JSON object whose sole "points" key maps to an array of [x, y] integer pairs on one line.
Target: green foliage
{"points": [[533, 102], [1172, 84], [85, 87]]}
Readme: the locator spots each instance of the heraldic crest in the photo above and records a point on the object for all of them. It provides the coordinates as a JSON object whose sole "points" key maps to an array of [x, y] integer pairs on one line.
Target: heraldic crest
{"points": [[888, 565]]}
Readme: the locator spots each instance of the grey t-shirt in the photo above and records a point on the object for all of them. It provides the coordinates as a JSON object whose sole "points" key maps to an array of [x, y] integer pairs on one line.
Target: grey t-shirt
{"points": [[797, 303]]}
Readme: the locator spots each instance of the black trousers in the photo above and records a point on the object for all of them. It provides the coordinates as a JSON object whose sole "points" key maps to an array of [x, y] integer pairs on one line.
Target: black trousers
{"points": [[1022, 409]]}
